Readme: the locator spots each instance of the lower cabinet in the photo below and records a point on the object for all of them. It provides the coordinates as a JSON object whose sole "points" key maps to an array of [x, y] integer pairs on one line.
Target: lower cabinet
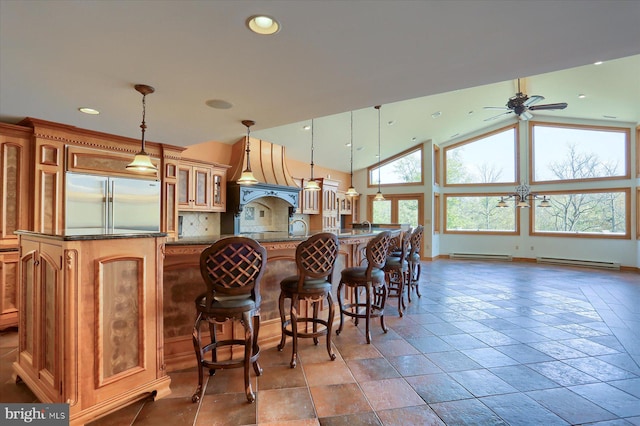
{"points": [[8, 288], [90, 331]]}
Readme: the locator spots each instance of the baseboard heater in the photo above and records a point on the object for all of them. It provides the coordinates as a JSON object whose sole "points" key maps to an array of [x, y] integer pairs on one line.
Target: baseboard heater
{"points": [[578, 262], [481, 256]]}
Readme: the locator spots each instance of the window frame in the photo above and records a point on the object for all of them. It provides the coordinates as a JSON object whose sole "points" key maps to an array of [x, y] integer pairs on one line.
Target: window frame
{"points": [[495, 195], [516, 159], [531, 159], [436, 165], [436, 213], [627, 235], [394, 198], [406, 152]]}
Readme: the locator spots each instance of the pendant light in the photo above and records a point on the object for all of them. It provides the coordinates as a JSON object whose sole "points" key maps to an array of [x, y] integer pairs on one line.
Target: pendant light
{"points": [[312, 184], [351, 192], [142, 161], [247, 178], [379, 196]]}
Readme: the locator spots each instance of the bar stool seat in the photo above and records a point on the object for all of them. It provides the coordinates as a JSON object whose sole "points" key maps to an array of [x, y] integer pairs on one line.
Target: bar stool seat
{"points": [[371, 278], [315, 260], [231, 269]]}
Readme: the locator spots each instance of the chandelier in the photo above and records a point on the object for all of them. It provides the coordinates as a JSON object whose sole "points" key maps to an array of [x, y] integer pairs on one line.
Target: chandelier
{"points": [[522, 196]]}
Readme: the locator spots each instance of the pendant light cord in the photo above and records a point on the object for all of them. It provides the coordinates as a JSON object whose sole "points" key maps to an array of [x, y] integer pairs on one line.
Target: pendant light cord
{"points": [[143, 126], [312, 149], [378, 108], [351, 149]]}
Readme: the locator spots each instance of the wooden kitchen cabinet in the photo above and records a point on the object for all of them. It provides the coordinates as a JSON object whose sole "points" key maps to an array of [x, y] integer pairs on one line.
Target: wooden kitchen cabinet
{"points": [[9, 288], [345, 203], [48, 183], [310, 200], [90, 331], [14, 190], [327, 219], [202, 186]]}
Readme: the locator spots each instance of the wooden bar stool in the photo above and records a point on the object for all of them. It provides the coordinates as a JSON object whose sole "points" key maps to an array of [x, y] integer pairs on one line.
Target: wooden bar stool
{"points": [[371, 278], [315, 259], [396, 269], [231, 269], [414, 261]]}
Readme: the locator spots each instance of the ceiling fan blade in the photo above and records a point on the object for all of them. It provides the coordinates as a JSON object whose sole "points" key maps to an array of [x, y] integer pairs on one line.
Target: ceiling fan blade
{"points": [[500, 108], [561, 105], [499, 115], [526, 115], [534, 99]]}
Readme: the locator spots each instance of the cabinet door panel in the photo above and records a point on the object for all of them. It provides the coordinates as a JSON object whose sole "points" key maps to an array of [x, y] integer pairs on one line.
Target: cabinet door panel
{"points": [[202, 178], [184, 183]]}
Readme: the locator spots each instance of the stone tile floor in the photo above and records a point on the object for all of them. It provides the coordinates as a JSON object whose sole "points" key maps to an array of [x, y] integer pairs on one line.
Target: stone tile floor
{"points": [[488, 343]]}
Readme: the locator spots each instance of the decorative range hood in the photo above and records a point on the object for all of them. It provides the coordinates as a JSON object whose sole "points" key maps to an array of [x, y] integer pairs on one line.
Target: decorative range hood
{"points": [[268, 164]]}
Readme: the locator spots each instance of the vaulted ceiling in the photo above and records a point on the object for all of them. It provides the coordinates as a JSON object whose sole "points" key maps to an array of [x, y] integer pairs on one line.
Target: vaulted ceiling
{"points": [[416, 58]]}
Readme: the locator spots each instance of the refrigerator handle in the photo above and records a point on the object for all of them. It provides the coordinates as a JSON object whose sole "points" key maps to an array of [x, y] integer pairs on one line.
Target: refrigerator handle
{"points": [[112, 218], [106, 205]]}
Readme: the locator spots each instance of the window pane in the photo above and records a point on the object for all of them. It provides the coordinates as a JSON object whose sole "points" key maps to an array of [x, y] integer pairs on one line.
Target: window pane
{"points": [[382, 211], [562, 153], [405, 169], [408, 212], [584, 213], [478, 214], [487, 160]]}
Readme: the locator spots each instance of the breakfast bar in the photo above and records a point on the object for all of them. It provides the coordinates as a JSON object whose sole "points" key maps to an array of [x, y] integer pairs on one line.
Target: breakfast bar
{"points": [[183, 283]]}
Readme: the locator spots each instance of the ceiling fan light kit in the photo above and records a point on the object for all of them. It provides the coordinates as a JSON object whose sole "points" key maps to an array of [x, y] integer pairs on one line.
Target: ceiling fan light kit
{"points": [[521, 105]]}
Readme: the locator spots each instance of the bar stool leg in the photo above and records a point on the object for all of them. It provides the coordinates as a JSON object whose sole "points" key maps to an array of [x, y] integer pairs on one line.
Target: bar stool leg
{"points": [[283, 322], [294, 329], [256, 348], [196, 346], [329, 326], [248, 350], [368, 312], [340, 305]]}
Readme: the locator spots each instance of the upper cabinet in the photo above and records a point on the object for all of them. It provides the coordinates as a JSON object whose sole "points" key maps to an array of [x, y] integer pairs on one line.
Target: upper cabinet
{"points": [[310, 200], [202, 186], [14, 190], [327, 217]]}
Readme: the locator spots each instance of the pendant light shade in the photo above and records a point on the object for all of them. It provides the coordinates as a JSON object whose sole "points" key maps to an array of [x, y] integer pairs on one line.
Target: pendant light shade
{"points": [[311, 184], [379, 196], [142, 161], [351, 191], [247, 177]]}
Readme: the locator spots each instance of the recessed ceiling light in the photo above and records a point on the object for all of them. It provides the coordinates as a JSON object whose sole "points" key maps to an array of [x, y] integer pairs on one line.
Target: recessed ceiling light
{"points": [[347, 144], [360, 148], [610, 116], [413, 139], [597, 63], [582, 96], [391, 122], [456, 135], [263, 24], [470, 113], [218, 104], [89, 111], [436, 114], [306, 127]]}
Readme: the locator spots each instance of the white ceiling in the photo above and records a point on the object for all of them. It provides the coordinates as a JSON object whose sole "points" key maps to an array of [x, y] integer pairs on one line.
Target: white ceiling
{"points": [[329, 58]]}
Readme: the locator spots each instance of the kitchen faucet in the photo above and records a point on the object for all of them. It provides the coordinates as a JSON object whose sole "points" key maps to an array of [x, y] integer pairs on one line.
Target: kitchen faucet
{"points": [[304, 224], [368, 224]]}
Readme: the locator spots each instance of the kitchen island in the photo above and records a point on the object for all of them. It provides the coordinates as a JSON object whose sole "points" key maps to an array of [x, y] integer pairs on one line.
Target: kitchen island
{"points": [[183, 283], [90, 324]]}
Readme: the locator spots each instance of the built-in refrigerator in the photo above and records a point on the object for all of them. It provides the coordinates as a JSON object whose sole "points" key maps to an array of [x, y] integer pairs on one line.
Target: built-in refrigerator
{"points": [[111, 205]]}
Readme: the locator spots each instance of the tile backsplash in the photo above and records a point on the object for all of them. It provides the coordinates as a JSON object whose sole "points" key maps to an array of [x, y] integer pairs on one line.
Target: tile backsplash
{"points": [[196, 224]]}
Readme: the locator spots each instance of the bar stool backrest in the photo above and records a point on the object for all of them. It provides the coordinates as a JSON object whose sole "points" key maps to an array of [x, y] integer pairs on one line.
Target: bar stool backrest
{"points": [[377, 249], [233, 267], [316, 257], [416, 240]]}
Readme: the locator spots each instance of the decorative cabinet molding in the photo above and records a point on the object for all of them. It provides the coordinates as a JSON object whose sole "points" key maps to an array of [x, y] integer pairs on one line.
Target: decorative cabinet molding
{"points": [[91, 322], [8, 289]]}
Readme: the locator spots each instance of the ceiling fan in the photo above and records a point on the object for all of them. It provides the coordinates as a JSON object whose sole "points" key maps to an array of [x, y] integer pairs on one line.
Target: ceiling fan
{"points": [[521, 104]]}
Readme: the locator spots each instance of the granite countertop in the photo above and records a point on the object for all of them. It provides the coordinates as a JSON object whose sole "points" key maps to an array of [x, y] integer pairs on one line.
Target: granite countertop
{"points": [[87, 234], [273, 237]]}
